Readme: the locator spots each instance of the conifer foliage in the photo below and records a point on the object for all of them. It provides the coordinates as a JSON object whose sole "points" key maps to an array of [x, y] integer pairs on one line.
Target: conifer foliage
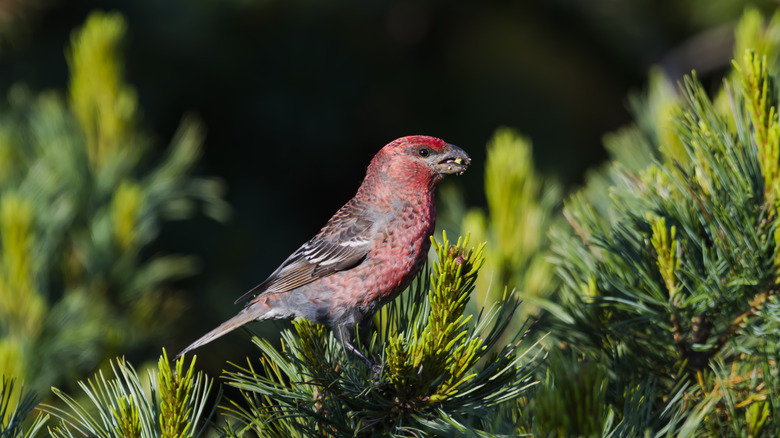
{"points": [[173, 406], [15, 406], [674, 282], [80, 199], [521, 205]]}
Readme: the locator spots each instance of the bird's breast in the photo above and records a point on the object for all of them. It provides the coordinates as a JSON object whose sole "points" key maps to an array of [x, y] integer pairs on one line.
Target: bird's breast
{"points": [[399, 249]]}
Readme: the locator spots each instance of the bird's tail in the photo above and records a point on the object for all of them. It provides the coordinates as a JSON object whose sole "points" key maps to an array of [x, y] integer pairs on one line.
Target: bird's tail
{"points": [[231, 324]]}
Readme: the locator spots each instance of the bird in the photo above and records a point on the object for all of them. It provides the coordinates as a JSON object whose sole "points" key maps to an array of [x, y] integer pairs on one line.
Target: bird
{"points": [[366, 254]]}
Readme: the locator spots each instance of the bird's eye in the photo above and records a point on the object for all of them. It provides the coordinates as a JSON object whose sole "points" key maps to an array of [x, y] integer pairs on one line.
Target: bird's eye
{"points": [[423, 152]]}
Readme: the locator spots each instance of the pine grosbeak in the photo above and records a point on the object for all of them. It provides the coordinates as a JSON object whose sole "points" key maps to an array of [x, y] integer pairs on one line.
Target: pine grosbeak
{"points": [[367, 253]]}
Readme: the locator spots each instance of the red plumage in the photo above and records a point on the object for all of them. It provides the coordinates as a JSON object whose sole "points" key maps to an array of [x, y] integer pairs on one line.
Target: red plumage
{"points": [[367, 253]]}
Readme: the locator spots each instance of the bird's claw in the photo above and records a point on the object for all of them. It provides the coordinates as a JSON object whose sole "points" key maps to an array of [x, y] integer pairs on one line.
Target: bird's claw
{"points": [[376, 369], [375, 366]]}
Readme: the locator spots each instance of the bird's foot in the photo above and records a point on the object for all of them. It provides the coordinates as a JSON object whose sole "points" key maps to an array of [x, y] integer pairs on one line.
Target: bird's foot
{"points": [[376, 369], [375, 366]]}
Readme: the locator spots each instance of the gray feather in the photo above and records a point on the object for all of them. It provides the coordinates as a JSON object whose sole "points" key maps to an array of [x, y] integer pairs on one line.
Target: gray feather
{"points": [[248, 314]]}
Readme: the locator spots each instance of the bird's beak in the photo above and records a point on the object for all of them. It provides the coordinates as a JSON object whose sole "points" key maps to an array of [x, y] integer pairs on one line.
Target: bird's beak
{"points": [[453, 160]]}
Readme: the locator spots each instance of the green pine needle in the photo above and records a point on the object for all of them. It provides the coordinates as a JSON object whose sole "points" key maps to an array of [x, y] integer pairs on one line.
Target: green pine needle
{"points": [[174, 407], [16, 406]]}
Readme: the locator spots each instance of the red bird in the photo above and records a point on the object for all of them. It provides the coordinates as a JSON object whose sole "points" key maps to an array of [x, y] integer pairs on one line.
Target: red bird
{"points": [[367, 253]]}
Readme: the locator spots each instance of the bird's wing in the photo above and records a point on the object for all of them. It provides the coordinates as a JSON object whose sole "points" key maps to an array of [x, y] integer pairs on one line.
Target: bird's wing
{"points": [[342, 244]]}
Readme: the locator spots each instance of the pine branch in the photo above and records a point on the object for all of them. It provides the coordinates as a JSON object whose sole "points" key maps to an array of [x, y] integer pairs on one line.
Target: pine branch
{"points": [[173, 407], [16, 407], [81, 197], [670, 266]]}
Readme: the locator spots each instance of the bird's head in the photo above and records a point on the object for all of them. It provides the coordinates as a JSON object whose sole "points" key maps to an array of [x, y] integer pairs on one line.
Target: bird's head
{"points": [[419, 159]]}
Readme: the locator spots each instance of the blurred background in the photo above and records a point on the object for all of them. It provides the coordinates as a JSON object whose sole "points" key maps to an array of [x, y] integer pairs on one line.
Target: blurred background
{"points": [[296, 96]]}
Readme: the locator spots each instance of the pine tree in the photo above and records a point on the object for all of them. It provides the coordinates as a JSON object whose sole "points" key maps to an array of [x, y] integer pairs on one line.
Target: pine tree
{"points": [[172, 405], [670, 275], [80, 198], [16, 405]]}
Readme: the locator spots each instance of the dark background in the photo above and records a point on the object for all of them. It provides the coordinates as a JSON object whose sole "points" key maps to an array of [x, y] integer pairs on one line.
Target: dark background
{"points": [[298, 95]]}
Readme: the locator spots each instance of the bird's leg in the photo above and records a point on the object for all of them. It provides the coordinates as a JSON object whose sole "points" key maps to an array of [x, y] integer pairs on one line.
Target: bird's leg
{"points": [[364, 332], [343, 335], [351, 348]]}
